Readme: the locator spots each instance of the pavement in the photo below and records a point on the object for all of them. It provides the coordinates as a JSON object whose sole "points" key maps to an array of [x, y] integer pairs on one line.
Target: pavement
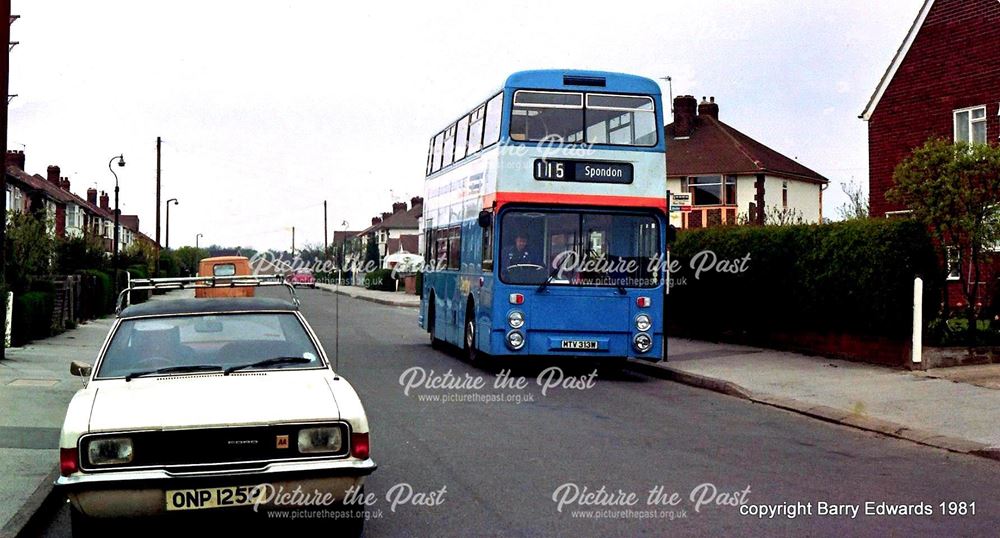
{"points": [[392, 298], [948, 408], [35, 389]]}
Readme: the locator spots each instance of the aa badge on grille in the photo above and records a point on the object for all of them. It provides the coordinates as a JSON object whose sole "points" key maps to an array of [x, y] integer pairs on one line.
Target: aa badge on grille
{"points": [[282, 441]]}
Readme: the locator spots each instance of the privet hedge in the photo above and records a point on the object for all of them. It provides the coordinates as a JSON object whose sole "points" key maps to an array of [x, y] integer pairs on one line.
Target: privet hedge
{"points": [[849, 277], [32, 317]]}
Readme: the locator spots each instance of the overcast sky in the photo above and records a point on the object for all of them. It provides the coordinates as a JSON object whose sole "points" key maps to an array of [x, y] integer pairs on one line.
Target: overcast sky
{"points": [[268, 108]]}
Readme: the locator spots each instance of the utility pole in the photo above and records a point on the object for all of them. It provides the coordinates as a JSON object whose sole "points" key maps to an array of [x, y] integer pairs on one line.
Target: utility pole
{"points": [[156, 269], [293, 241], [4, 79], [326, 244]]}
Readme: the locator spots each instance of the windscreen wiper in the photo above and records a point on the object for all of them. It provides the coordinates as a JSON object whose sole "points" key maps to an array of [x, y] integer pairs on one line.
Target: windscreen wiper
{"points": [[268, 362], [545, 284], [175, 370]]}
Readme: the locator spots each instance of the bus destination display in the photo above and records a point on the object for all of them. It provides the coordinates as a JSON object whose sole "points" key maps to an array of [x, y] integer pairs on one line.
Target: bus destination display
{"points": [[582, 171]]}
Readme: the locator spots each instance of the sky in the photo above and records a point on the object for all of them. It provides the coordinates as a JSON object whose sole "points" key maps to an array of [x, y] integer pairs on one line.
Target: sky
{"points": [[266, 109]]}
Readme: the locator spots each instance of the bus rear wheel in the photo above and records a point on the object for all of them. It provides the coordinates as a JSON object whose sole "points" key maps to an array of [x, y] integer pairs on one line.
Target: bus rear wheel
{"points": [[471, 352], [434, 340]]}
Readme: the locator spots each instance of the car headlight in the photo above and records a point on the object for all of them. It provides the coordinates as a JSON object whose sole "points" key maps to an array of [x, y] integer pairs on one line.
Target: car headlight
{"points": [[515, 319], [642, 342], [110, 451], [515, 340], [316, 440], [643, 323]]}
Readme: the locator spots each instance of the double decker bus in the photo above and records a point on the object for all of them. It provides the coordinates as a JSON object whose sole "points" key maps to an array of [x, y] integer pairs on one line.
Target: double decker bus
{"points": [[545, 219]]}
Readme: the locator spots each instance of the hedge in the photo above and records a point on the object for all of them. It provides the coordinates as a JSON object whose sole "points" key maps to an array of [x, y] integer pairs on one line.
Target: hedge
{"points": [[102, 294], [380, 279], [850, 277], [32, 317]]}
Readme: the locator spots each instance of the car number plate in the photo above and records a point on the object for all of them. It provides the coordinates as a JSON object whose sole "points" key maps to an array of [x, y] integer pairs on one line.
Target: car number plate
{"points": [[579, 344], [197, 499]]}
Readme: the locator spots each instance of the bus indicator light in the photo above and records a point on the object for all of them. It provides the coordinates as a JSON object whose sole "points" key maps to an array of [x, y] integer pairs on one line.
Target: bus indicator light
{"points": [[516, 298], [643, 302]]}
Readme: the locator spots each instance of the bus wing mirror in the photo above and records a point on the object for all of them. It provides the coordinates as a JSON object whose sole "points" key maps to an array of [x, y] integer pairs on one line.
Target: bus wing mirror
{"points": [[485, 219], [671, 234]]}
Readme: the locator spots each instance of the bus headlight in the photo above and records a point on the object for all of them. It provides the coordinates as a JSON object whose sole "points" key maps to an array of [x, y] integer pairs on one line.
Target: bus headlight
{"points": [[643, 323], [642, 343], [515, 319], [515, 340]]}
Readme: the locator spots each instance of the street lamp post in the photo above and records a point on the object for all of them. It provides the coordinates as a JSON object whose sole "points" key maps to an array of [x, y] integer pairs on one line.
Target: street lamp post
{"points": [[196, 238], [175, 202], [114, 248]]}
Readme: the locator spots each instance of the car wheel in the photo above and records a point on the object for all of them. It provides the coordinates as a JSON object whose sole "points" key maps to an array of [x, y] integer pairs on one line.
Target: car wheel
{"points": [[82, 526]]}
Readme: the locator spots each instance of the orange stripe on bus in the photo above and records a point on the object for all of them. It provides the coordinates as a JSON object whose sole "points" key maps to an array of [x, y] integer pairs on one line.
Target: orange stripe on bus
{"points": [[502, 198]]}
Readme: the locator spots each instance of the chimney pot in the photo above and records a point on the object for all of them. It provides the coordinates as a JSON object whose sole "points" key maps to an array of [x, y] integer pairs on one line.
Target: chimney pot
{"points": [[415, 201], [15, 158], [684, 115], [104, 201], [53, 173], [64, 184], [398, 206], [92, 195], [709, 108], [376, 220]]}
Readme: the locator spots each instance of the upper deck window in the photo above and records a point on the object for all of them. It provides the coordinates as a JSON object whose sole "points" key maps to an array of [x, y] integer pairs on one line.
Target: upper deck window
{"points": [[538, 116], [620, 120]]}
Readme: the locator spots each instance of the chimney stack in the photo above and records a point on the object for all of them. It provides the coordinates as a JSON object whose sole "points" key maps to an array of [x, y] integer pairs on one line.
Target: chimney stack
{"points": [[104, 201], [415, 201], [92, 195], [684, 115], [15, 158], [386, 215], [376, 220], [708, 108], [64, 184], [398, 206], [53, 175]]}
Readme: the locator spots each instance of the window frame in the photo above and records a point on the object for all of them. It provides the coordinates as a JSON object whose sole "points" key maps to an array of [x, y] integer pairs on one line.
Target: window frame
{"points": [[953, 264], [969, 124]]}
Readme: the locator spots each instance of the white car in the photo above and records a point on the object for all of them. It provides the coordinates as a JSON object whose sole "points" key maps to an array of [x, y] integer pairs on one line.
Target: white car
{"points": [[197, 404]]}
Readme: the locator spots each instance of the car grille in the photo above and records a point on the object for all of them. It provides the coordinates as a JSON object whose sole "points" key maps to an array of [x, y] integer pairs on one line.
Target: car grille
{"points": [[224, 448]]}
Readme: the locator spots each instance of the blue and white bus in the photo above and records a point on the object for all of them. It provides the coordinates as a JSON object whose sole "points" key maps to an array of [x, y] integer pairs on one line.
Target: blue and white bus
{"points": [[544, 220]]}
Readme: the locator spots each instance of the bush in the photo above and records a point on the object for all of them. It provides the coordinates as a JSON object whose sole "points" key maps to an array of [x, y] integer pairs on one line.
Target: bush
{"points": [[99, 295], [380, 279], [32, 317], [853, 277]]}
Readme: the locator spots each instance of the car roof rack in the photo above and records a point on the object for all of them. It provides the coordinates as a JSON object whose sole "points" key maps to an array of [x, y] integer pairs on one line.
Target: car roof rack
{"points": [[196, 282]]}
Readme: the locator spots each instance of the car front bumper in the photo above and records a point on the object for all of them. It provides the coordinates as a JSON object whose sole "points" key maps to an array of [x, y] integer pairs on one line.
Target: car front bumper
{"points": [[113, 494]]}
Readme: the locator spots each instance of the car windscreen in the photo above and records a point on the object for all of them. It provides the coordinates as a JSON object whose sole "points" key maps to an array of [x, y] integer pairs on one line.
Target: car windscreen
{"points": [[579, 248], [222, 340]]}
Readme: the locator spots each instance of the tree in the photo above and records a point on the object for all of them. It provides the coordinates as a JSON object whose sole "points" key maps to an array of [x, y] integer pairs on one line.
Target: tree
{"points": [[857, 205], [30, 250], [371, 252], [188, 258], [80, 253], [954, 189]]}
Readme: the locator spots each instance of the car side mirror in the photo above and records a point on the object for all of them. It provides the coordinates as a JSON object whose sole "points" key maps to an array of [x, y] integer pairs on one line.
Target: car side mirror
{"points": [[485, 218], [80, 369]]}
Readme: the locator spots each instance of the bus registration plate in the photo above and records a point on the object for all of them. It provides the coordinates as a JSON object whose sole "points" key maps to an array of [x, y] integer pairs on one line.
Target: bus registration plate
{"points": [[579, 344]]}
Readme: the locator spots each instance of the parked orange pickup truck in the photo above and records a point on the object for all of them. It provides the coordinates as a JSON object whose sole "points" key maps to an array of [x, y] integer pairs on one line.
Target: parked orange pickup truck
{"points": [[224, 266]]}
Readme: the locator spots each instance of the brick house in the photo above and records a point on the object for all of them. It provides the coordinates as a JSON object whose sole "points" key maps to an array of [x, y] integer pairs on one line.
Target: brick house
{"points": [[944, 81], [67, 214], [733, 178], [393, 232]]}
